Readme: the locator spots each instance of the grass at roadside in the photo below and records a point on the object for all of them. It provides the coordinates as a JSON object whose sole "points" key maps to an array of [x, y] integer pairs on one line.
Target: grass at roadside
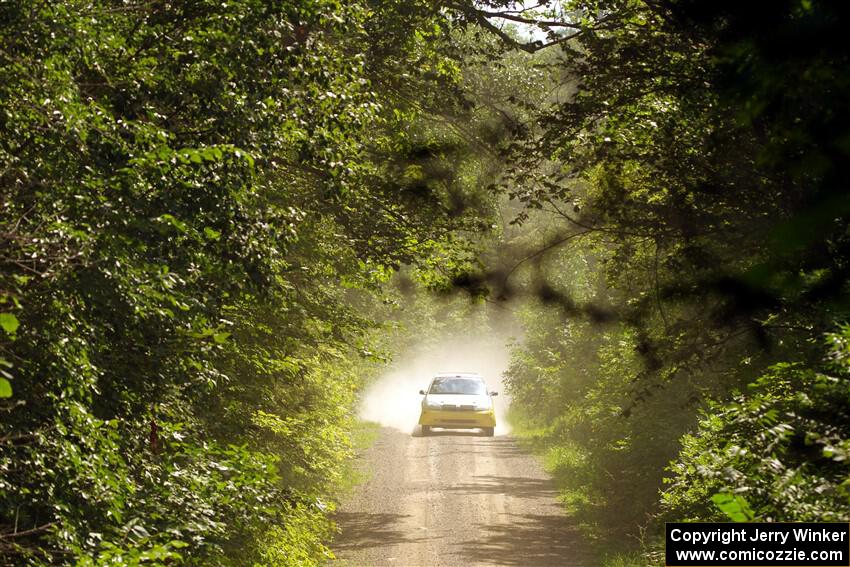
{"points": [[363, 435]]}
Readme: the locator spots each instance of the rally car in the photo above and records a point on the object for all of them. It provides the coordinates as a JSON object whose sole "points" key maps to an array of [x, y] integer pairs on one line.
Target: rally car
{"points": [[457, 400]]}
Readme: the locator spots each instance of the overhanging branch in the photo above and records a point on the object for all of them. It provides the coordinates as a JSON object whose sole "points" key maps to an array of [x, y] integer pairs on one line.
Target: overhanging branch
{"points": [[530, 21], [527, 47], [483, 17]]}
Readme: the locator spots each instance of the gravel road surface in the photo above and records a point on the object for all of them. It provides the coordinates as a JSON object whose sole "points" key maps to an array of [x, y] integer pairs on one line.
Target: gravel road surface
{"points": [[454, 499]]}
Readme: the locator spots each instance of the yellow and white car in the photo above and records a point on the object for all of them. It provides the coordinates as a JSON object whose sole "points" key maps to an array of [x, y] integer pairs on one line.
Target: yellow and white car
{"points": [[458, 400]]}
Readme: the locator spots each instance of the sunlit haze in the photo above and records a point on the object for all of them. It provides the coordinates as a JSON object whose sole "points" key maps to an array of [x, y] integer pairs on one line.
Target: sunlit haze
{"points": [[394, 400]]}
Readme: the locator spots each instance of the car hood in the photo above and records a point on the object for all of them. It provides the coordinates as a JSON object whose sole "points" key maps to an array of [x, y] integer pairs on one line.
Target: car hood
{"points": [[482, 401]]}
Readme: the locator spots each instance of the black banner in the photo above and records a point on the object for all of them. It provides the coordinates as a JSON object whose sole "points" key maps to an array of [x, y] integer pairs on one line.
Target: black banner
{"points": [[758, 544]]}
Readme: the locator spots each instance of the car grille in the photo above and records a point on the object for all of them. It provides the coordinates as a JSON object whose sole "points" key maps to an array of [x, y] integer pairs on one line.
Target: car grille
{"points": [[451, 421], [458, 408]]}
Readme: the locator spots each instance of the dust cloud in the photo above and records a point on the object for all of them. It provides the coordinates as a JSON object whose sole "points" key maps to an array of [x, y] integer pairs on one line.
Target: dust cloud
{"points": [[394, 399]]}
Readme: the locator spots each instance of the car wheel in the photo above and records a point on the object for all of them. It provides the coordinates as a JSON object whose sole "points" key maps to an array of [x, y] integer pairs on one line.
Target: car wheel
{"points": [[426, 430], [489, 431]]}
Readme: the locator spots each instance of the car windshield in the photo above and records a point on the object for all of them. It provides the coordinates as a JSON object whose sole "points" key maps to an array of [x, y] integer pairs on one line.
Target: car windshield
{"points": [[453, 385]]}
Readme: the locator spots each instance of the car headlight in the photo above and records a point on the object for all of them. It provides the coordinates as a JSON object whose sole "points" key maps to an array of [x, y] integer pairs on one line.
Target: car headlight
{"points": [[432, 405]]}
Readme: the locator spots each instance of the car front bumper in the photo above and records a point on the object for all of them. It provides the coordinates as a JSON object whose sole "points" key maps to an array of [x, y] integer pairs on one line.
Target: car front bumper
{"points": [[454, 419]]}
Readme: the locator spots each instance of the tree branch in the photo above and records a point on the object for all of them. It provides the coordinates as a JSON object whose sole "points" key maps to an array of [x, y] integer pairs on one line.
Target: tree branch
{"points": [[527, 47], [530, 21], [553, 244], [32, 531], [481, 17]]}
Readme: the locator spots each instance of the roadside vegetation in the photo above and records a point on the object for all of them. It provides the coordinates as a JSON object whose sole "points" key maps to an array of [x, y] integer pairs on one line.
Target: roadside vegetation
{"points": [[213, 215], [685, 352], [201, 203]]}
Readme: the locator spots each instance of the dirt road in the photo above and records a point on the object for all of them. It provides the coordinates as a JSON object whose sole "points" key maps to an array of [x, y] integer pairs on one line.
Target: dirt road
{"points": [[454, 499]]}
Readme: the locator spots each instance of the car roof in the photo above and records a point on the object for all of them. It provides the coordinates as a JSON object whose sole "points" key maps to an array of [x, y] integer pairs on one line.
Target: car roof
{"points": [[459, 375]]}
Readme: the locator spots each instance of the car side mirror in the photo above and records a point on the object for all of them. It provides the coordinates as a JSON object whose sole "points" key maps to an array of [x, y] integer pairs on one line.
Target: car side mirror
{"points": [[494, 393], [422, 392]]}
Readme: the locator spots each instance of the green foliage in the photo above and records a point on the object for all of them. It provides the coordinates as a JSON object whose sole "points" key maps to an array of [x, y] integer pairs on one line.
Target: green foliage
{"points": [[685, 212], [733, 506], [9, 323], [198, 203], [300, 541], [780, 448]]}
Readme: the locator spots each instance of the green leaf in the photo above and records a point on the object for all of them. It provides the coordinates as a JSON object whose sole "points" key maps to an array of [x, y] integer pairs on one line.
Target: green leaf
{"points": [[734, 506], [9, 323], [211, 234], [5, 388], [174, 221], [242, 154]]}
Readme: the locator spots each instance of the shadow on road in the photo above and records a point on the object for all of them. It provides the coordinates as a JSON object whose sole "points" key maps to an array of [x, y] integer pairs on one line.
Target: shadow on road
{"points": [[528, 539], [363, 530], [460, 499], [513, 486]]}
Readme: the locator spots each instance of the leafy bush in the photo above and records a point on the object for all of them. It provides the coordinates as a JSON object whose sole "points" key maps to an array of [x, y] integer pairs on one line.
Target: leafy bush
{"points": [[184, 249], [781, 447]]}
